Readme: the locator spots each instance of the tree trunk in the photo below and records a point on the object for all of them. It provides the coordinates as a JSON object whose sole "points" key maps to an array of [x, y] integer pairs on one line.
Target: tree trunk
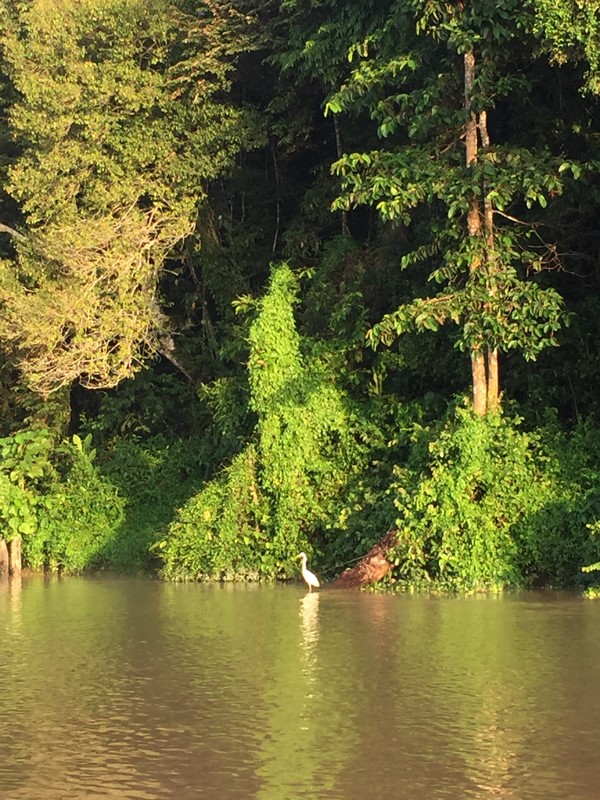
{"points": [[14, 556], [3, 559], [484, 368], [372, 567], [493, 381], [478, 371], [480, 385], [493, 376], [471, 128]]}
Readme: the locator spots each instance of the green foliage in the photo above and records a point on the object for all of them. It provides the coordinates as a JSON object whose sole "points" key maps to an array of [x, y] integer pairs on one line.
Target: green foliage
{"points": [[256, 515], [24, 463], [333, 302], [149, 404], [562, 537], [25, 456], [451, 496], [121, 123], [317, 38], [220, 533], [18, 511], [82, 512], [484, 504], [153, 476], [305, 440], [571, 31], [496, 310], [54, 498], [76, 511], [125, 134], [408, 74]]}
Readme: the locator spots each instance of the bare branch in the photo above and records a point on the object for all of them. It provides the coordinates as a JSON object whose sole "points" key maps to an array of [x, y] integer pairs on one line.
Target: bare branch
{"points": [[513, 219], [11, 231]]}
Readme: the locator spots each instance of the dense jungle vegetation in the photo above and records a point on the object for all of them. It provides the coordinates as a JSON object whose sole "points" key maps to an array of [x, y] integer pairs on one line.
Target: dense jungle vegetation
{"points": [[283, 275]]}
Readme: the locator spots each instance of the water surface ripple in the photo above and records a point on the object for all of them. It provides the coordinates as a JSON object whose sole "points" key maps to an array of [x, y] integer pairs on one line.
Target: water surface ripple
{"points": [[118, 688]]}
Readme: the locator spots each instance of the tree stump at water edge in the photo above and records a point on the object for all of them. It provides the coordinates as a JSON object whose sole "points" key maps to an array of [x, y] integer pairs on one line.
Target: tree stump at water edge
{"points": [[4, 561], [371, 568], [14, 556]]}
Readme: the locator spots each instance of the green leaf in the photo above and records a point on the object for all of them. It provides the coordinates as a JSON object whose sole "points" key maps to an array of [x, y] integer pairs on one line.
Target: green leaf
{"points": [[26, 528]]}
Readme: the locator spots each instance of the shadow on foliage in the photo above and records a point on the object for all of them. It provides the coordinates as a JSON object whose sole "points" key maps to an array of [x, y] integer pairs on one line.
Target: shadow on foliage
{"points": [[155, 478]]}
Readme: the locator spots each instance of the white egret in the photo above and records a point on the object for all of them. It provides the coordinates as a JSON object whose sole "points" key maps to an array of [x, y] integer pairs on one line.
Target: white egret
{"points": [[309, 577]]}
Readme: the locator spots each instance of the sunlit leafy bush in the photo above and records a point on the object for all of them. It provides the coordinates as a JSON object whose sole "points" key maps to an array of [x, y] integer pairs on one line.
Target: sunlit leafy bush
{"points": [[24, 464], [484, 504], [54, 498], [82, 511], [284, 486], [221, 531]]}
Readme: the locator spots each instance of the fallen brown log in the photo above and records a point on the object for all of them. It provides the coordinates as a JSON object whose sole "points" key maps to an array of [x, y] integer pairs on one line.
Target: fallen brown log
{"points": [[372, 567]]}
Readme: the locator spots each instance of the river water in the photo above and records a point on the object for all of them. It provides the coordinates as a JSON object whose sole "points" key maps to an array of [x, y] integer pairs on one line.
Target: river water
{"points": [[118, 688]]}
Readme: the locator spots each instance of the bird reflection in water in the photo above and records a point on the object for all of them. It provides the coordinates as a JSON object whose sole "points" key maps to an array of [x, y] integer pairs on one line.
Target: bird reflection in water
{"points": [[309, 620], [309, 627]]}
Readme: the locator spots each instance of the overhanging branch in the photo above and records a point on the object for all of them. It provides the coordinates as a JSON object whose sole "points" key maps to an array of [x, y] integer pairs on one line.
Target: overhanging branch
{"points": [[11, 231]]}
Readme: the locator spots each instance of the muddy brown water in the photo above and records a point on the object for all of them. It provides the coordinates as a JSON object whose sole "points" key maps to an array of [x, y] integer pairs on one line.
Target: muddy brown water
{"points": [[119, 688]]}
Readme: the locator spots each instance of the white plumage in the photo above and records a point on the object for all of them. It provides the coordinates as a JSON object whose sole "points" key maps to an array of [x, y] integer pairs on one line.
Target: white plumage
{"points": [[309, 577]]}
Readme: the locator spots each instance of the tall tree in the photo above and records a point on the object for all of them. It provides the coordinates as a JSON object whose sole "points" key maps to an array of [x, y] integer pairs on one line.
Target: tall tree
{"points": [[120, 122], [430, 74]]}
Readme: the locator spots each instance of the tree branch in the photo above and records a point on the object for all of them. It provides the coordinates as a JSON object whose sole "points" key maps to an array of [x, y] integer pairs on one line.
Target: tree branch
{"points": [[11, 231]]}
